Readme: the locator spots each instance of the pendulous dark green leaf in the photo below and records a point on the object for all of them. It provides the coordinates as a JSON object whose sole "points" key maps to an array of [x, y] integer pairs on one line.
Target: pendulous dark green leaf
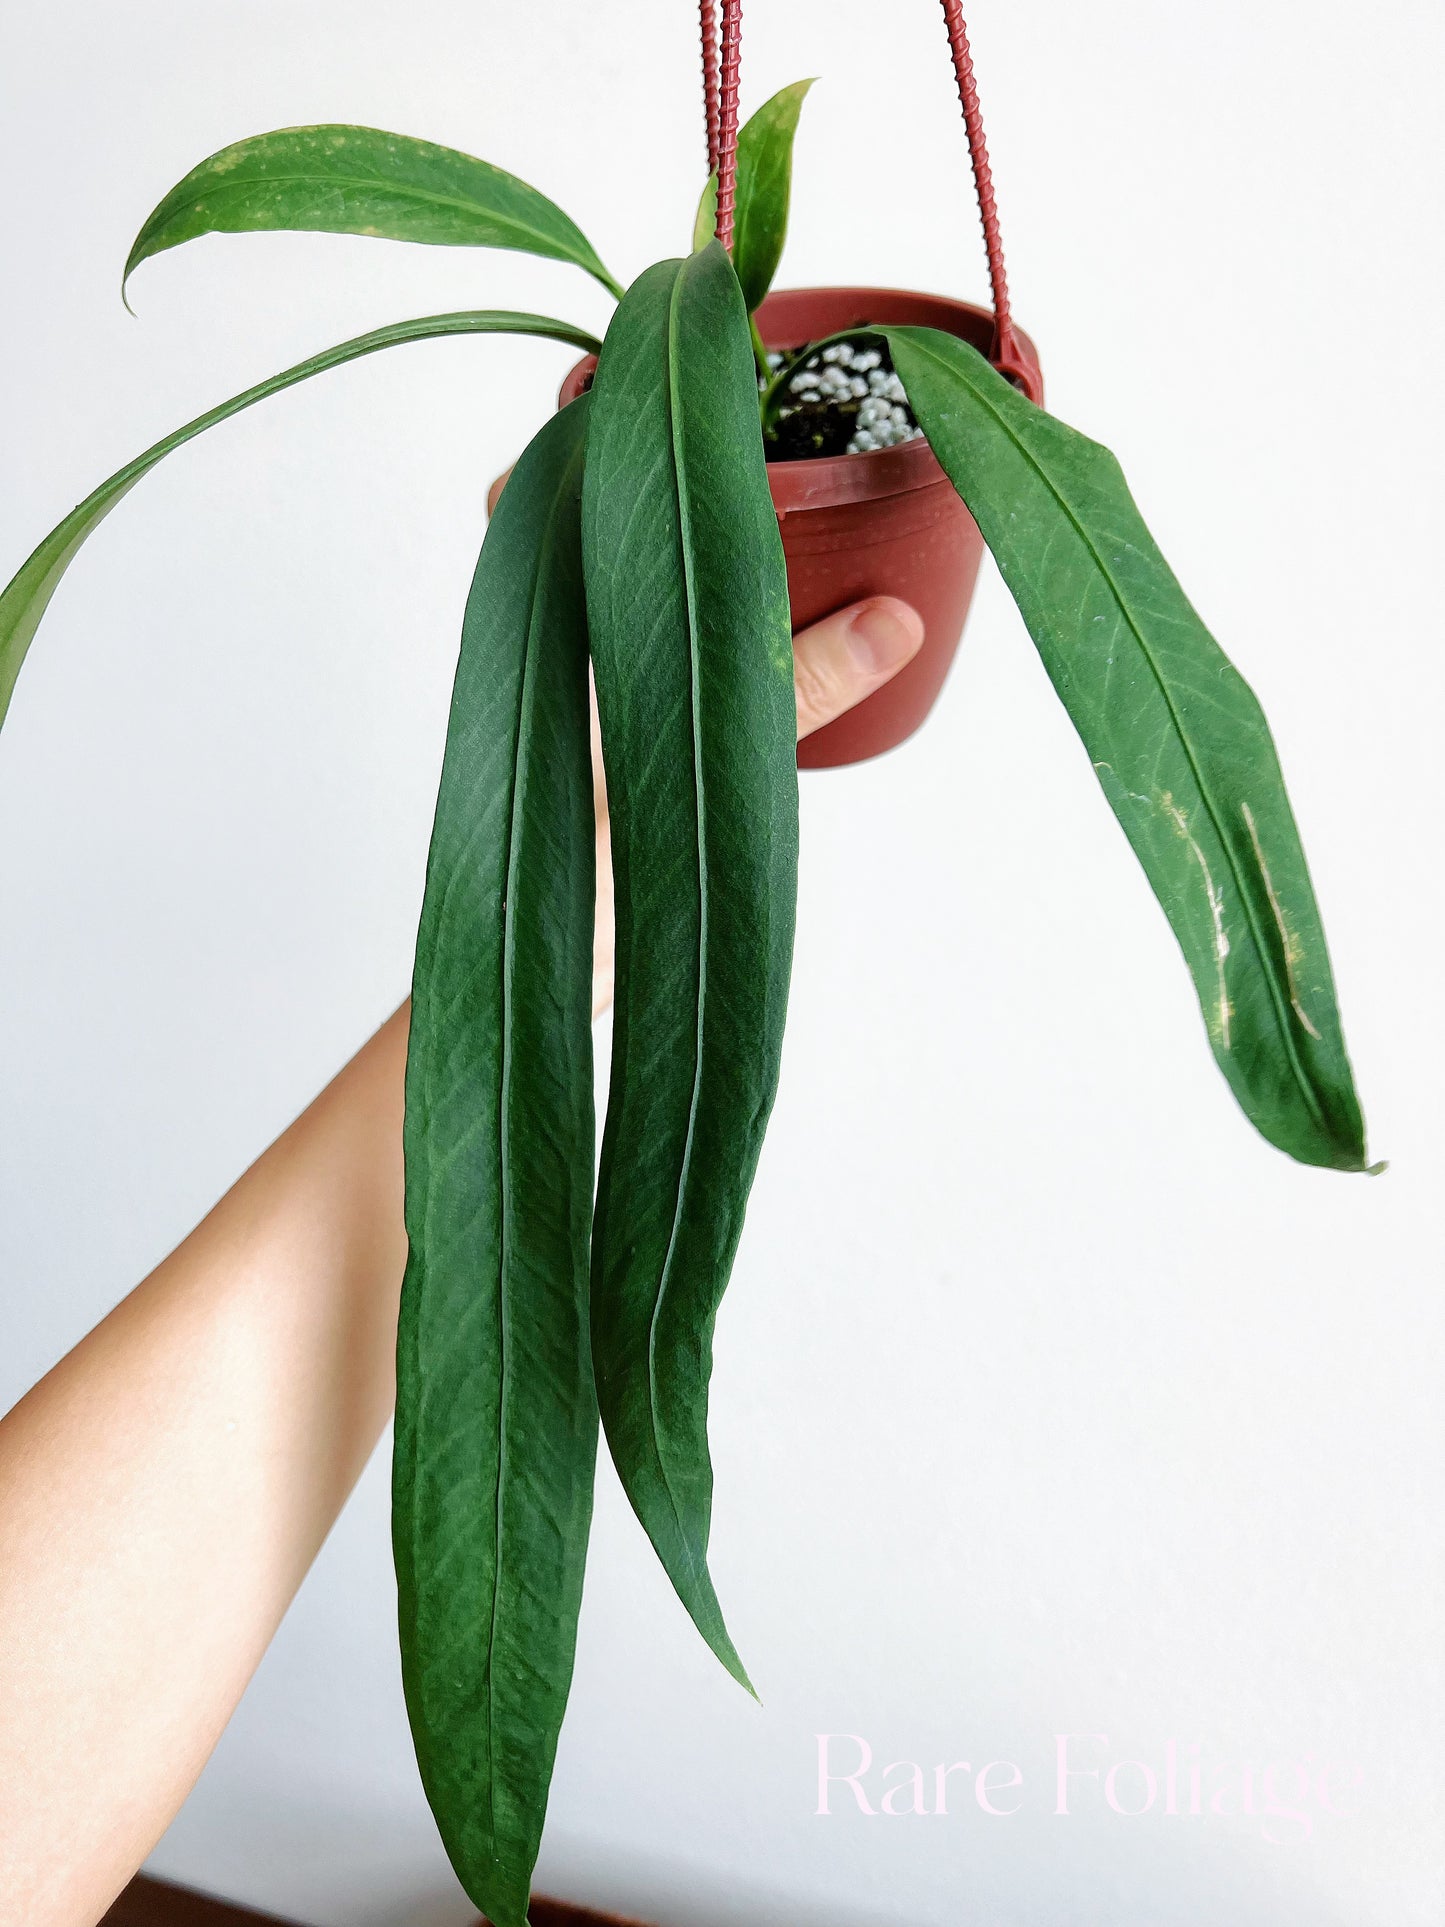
{"points": [[361, 180], [496, 1415], [687, 604], [1177, 738], [765, 183], [26, 597]]}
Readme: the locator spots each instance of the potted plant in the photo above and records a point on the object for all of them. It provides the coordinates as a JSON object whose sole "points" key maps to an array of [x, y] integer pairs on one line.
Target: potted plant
{"points": [[727, 462]]}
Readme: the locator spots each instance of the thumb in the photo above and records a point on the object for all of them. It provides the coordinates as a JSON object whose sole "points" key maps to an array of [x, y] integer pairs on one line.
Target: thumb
{"points": [[846, 656]]}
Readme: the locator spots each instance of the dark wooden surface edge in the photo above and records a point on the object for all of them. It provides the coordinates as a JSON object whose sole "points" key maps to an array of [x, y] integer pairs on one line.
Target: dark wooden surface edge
{"points": [[156, 1903]]}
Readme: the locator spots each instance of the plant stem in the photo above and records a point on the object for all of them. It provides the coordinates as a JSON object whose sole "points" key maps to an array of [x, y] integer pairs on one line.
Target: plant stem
{"points": [[776, 378], [760, 352]]}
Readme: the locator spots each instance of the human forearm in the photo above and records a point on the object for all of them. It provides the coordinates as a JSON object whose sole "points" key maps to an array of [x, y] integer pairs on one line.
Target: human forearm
{"points": [[164, 1489]]}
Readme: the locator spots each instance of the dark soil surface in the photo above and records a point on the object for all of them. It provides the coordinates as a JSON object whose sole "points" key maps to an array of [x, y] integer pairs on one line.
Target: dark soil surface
{"points": [[843, 400]]}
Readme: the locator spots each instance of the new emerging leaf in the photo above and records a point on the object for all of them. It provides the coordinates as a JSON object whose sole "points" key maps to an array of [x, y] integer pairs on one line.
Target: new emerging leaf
{"points": [[764, 189]]}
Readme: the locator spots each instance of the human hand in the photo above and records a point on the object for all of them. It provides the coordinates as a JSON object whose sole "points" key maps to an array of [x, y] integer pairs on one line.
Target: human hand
{"points": [[836, 663]]}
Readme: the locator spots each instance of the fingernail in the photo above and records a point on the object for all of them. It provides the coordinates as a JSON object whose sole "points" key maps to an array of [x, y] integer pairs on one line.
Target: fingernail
{"points": [[880, 639]]}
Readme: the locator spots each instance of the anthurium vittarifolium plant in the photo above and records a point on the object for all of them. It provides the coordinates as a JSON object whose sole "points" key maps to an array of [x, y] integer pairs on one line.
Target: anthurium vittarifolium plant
{"points": [[637, 532]]}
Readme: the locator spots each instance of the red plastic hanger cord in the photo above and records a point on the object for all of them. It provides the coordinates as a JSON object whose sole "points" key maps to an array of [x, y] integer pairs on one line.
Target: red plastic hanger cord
{"points": [[720, 95], [710, 84], [1006, 356], [727, 154]]}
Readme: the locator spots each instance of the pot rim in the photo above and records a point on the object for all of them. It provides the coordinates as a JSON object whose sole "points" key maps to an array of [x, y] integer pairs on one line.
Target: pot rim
{"points": [[827, 481]]}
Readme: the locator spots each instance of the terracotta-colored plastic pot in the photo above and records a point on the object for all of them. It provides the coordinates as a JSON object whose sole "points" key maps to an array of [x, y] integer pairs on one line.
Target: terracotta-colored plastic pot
{"points": [[887, 523]]}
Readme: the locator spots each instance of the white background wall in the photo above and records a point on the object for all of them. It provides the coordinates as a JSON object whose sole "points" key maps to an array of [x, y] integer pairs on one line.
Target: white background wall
{"points": [[1048, 1398]]}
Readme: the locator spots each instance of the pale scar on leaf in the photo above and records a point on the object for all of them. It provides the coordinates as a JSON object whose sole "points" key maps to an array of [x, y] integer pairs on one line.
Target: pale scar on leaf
{"points": [[1289, 940]]}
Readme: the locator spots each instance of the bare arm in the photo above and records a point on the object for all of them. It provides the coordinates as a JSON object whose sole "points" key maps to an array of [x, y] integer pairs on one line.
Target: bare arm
{"points": [[165, 1487]]}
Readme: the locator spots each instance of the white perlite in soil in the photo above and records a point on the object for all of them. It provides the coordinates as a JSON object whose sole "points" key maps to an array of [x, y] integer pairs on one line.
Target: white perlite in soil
{"points": [[856, 380]]}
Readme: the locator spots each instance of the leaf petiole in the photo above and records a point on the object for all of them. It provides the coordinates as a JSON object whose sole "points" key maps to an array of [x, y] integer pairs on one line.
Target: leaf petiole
{"points": [[760, 352]]}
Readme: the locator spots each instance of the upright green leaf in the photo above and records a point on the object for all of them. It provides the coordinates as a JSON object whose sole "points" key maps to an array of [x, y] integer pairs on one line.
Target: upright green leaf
{"points": [[26, 597], [496, 1417], [765, 184], [1177, 738], [688, 608], [360, 180]]}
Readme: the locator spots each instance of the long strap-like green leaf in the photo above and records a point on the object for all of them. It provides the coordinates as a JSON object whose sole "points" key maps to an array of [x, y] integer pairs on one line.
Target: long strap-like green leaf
{"points": [[1176, 735], [496, 1417], [362, 180], [688, 608], [26, 597]]}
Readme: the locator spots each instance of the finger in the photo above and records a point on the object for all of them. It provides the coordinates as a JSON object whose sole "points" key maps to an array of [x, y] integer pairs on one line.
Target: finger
{"points": [[846, 656], [603, 927], [599, 774], [494, 493]]}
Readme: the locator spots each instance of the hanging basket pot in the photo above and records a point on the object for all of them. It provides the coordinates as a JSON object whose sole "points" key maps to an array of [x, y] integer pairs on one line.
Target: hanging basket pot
{"points": [[884, 523]]}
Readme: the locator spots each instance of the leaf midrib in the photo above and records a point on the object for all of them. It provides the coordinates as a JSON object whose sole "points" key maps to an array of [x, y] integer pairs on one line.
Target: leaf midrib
{"points": [[1296, 1069], [690, 593], [354, 180], [520, 753]]}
